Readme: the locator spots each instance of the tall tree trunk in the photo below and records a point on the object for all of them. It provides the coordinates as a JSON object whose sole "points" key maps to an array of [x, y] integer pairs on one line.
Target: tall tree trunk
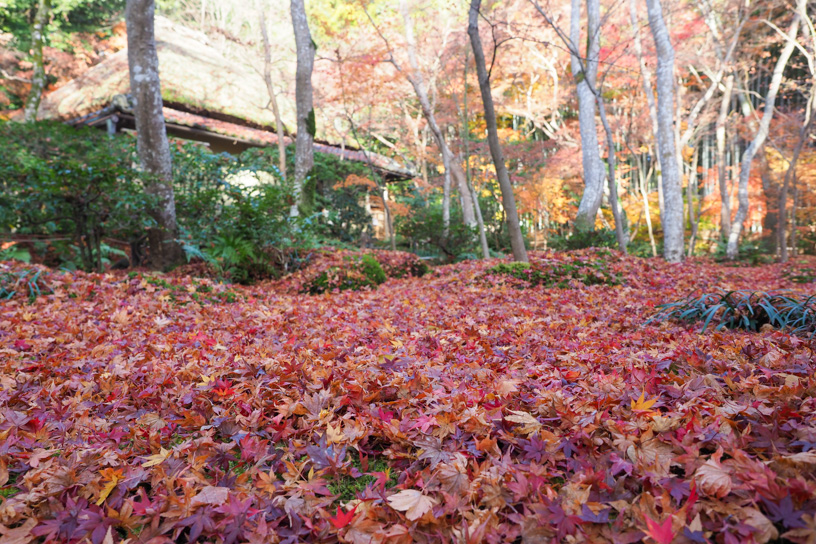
{"points": [[452, 169], [782, 229], [37, 59], [306, 124], [732, 250], [617, 213], [466, 142], [672, 184], [646, 79], [647, 211], [585, 73], [725, 194], [508, 198], [691, 190], [151, 134], [273, 98]]}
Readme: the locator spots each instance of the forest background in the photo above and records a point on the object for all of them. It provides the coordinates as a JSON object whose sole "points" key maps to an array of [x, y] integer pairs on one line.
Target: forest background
{"points": [[369, 58]]}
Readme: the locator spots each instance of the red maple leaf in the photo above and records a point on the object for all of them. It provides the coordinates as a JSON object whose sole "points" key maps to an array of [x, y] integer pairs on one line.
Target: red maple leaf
{"points": [[661, 532], [223, 388], [341, 519]]}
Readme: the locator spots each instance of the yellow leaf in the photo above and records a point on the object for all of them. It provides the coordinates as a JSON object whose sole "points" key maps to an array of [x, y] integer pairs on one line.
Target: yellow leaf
{"points": [[642, 405], [113, 476], [156, 459], [206, 380]]}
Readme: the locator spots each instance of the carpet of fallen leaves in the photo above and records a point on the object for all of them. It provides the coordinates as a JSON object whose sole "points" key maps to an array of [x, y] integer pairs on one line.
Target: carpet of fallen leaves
{"points": [[454, 407]]}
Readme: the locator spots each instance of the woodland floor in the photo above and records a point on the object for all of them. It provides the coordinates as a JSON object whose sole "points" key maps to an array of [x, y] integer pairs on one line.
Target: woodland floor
{"points": [[458, 408]]}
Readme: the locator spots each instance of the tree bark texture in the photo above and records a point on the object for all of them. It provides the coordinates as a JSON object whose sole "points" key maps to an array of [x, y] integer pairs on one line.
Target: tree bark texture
{"points": [[585, 72], [151, 133], [782, 228], [611, 161], [466, 142], [273, 98], [646, 78], [672, 184], [725, 194], [508, 198], [306, 127], [732, 250], [457, 175], [37, 42]]}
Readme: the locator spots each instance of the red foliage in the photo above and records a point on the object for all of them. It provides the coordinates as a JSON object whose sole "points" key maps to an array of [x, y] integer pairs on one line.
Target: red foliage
{"points": [[167, 412]]}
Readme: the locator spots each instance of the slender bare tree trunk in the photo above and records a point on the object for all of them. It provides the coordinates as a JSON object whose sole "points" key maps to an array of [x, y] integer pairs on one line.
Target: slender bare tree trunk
{"points": [[306, 123], [508, 198], [672, 183], [37, 59], [789, 173], [273, 98], [647, 211], [466, 142], [646, 79], [620, 232], [694, 218], [793, 239], [585, 72], [725, 194], [732, 250], [151, 134], [452, 169]]}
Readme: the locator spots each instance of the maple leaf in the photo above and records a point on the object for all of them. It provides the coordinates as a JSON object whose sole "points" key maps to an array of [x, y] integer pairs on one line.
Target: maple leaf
{"points": [[784, 512], [529, 423], [713, 478], [223, 388], [412, 502], [113, 477], [211, 495], [341, 518], [642, 405], [156, 458], [660, 532]]}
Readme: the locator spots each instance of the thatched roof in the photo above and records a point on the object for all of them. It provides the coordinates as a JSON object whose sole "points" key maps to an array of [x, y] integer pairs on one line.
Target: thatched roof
{"points": [[211, 95], [194, 74]]}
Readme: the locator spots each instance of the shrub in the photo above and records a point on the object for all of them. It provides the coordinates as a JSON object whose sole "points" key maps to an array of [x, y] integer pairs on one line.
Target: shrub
{"points": [[400, 264], [423, 229], [558, 273], [57, 181], [584, 239], [356, 272], [744, 310]]}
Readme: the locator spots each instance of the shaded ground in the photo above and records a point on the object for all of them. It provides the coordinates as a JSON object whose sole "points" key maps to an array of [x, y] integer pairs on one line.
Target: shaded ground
{"points": [[456, 406]]}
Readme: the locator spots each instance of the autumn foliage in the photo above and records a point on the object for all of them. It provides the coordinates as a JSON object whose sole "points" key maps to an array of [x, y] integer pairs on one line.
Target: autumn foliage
{"points": [[442, 408]]}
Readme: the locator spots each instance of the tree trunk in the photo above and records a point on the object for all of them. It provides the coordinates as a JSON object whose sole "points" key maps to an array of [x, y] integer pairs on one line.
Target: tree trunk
{"points": [[452, 169], [725, 194], [304, 140], [585, 73], [508, 198], [732, 251], [672, 184], [273, 99], [620, 232], [789, 173], [466, 142], [37, 43], [151, 134], [646, 78], [691, 189]]}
